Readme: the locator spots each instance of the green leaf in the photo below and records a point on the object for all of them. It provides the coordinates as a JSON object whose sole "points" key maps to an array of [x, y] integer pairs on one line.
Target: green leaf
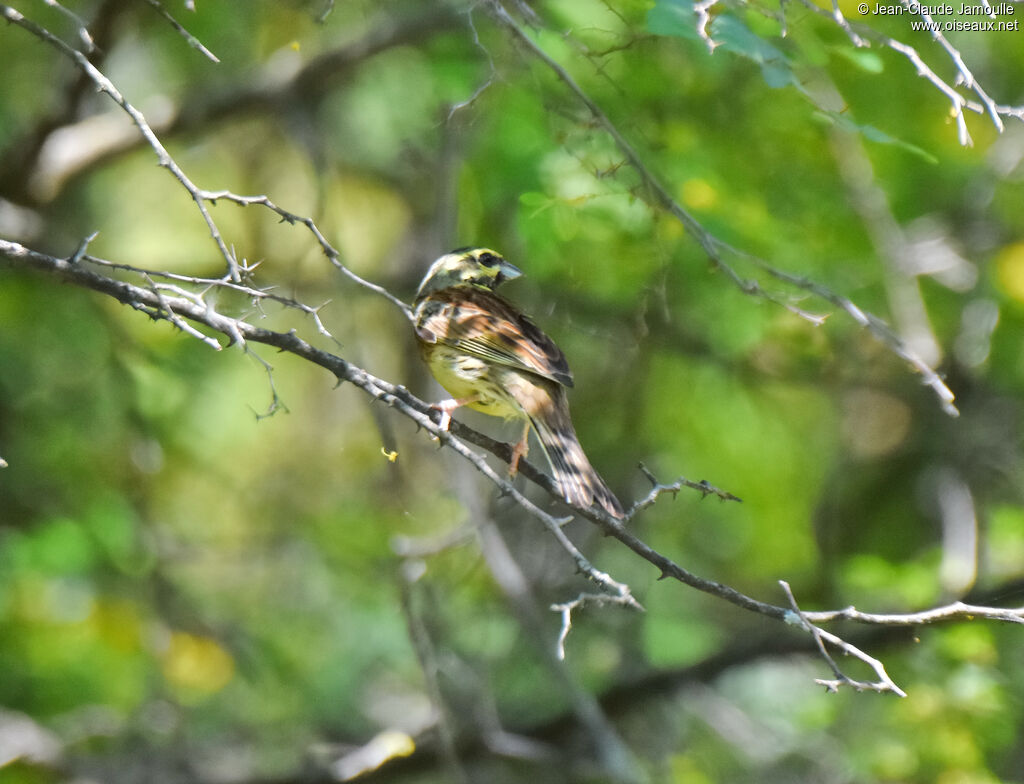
{"points": [[673, 17], [865, 60], [873, 134], [677, 18], [736, 37]]}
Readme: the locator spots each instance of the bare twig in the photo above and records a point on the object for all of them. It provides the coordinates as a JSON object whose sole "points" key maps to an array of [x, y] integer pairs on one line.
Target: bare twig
{"points": [[257, 295], [177, 321], [83, 31], [863, 36], [492, 73], [704, 487], [276, 404], [566, 610], [884, 682], [328, 250], [192, 41], [844, 25], [965, 75], [956, 611], [200, 196]]}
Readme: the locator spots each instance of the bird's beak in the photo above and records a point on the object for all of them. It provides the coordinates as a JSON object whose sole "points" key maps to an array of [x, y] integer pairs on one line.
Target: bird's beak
{"points": [[508, 271]]}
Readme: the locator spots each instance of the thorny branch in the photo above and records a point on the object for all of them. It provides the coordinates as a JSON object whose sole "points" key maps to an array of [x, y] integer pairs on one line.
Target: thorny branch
{"points": [[821, 637], [159, 305], [170, 302]]}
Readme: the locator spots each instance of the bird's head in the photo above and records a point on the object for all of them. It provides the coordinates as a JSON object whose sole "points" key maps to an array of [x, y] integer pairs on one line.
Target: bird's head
{"points": [[479, 267]]}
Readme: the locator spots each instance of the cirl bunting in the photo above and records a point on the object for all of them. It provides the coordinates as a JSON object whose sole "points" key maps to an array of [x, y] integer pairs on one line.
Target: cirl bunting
{"points": [[492, 358]]}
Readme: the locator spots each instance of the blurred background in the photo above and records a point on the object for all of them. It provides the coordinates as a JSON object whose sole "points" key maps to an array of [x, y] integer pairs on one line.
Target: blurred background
{"points": [[209, 577]]}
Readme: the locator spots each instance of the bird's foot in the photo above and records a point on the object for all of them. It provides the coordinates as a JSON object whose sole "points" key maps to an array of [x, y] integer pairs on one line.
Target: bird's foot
{"points": [[446, 407], [519, 451]]}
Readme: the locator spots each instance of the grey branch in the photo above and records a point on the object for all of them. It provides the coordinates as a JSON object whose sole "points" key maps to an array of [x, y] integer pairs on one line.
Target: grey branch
{"points": [[192, 41], [160, 301], [161, 306], [821, 637]]}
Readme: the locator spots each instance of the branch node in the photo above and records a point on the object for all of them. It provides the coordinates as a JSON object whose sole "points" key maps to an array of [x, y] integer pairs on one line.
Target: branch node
{"points": [[83, 246]]}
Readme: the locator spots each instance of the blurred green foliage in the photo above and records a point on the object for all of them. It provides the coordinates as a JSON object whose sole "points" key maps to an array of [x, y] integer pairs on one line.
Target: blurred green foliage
{"points": [[192, 591]]}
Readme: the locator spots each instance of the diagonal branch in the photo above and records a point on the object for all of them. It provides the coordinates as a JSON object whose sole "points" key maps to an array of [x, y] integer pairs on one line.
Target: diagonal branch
{"points": [[190, 39], [821, 637], [160, 303]]}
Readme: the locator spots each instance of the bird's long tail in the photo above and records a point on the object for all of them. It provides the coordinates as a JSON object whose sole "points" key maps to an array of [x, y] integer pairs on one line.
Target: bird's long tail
{"points": [[577, 480]]}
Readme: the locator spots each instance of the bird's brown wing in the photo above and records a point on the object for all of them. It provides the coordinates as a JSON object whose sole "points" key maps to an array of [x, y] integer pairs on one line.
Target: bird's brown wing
{"points": [[484, 325]]}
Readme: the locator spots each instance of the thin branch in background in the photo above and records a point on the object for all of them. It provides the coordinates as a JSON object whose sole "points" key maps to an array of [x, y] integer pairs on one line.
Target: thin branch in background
{"points": [[985, 105], [425, 546], [192, 41], [276, 404], [957, 101], [892, 248], [491, 75], [618, 763], [566, 610], [426, 655], [83, 29], [87, 142], [884, 682], [877, 327], [332, 254], [658, 196], [608, 747], [844, 25], [965, 76], [704, 487], [177, 321]]}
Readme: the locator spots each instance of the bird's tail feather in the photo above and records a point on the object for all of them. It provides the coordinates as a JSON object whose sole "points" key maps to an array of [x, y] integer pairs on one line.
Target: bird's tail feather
{"points": [[577, 480]]}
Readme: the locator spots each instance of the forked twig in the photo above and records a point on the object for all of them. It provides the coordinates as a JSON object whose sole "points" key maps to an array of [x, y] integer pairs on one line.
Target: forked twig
{"points": [[884, 682]]}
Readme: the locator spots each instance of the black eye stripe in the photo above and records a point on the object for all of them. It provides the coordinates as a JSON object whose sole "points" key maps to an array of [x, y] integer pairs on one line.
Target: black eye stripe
{"points": [[488, 259]]}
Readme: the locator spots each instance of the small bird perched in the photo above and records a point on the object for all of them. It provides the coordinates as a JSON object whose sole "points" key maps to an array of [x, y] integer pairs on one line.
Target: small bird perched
{"points": [[492, 358]]}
